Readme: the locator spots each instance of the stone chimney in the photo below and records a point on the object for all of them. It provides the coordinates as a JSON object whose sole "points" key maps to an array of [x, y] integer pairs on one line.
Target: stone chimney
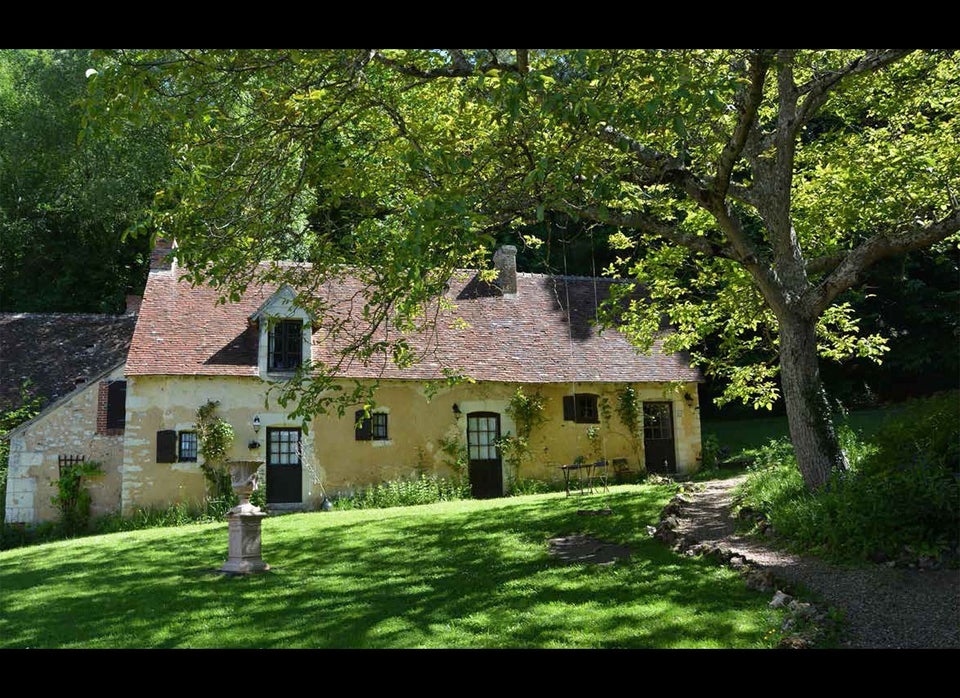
{"points": [[133, 304], [160, 257], [505, 261]]}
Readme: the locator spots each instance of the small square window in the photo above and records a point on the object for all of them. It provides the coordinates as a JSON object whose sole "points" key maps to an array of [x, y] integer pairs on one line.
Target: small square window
{"points": [[379, 426], [188, 447], [581, 408], [372, 428]]}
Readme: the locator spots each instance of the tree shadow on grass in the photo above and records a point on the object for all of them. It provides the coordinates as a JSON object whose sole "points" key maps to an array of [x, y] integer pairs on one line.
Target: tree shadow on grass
{"points": [[476, 577]]}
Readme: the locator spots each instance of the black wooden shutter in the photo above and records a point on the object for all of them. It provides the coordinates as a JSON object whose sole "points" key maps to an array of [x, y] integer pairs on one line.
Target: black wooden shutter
{"points": [[167, 446], [363, 432], [116, 404], [569, 408]]}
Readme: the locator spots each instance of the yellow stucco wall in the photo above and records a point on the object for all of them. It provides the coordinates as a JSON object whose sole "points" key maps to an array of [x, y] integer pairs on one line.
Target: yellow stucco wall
{"points": [[335, 460], [416, 428], [68, 429]]}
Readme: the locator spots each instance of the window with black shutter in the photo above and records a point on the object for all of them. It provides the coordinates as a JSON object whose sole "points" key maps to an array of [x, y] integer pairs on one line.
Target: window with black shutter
{"points": [[378, 426], [187, 453], [116, 404], [167, 446], [372, 428], [285, 346], [581, 408]]}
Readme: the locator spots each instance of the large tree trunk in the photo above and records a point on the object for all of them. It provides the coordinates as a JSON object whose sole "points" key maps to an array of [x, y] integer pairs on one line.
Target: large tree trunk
{"points": [[808, 413]]}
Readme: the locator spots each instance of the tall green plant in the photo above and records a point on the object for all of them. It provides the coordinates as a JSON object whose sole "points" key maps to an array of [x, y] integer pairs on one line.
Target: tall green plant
{"points": [[900, 501], [455, 455], [72, 500], [214, 436], [630, 412], [527, 412]]}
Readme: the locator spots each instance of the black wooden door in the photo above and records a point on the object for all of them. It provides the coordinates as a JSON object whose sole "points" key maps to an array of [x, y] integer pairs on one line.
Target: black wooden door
{"points": [[660, 455], [486, 466], [284, 470]]}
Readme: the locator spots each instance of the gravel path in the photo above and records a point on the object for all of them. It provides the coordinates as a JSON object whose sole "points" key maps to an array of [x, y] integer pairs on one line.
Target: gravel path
{"points": [[884, 607]]}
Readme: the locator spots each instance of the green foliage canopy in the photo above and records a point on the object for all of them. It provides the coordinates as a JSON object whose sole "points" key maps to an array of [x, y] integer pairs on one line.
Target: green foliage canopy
{"points": [[67, 201], [750, 189]]}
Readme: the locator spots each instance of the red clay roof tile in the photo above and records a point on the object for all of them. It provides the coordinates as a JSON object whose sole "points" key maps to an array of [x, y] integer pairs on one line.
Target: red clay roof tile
{"points": [[182, 330]]}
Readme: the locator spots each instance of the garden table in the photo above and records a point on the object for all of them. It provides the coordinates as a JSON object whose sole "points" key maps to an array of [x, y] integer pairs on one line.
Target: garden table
{"points": [[587, 474]]}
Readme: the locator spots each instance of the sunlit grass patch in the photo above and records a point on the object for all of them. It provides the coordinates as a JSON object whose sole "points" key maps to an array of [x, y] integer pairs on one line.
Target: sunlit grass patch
{"points": [[463, 574]]}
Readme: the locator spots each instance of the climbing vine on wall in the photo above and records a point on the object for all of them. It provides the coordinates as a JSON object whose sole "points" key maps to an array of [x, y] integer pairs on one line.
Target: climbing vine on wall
{"points": [[630, 412], [528, 413], [455, 455], [72, 500], [214, 437]]}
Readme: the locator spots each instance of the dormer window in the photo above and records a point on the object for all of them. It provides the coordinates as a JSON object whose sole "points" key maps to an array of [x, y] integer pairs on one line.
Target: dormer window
{"points": [[286, 346], [285, 335]]}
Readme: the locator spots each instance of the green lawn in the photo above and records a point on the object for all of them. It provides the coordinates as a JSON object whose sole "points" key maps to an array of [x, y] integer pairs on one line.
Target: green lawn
{"points": [[738, 435], [466, 574]]}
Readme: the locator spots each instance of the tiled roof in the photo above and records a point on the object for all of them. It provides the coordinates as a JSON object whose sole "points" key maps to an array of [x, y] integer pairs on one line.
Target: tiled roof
{"points": [[490, 337], [58, 351]]}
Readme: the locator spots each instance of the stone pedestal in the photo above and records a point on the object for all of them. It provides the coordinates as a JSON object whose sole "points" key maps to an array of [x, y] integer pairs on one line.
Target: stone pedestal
{"points": [[244, 523]]}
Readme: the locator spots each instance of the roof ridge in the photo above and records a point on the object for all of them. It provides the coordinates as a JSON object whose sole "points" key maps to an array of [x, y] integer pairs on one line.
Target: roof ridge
{"points": [[89, 316]]}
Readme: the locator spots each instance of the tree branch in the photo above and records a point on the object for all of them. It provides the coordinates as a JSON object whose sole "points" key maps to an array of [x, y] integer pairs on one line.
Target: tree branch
{"points": [[523, 60], [459, 60], [459, 67], [662, 168], [847, 269], [640, 221], [818, 88], [759, 64], [670, 170]]}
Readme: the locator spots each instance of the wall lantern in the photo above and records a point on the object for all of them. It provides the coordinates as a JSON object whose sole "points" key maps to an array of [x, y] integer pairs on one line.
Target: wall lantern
{"points": [[456, 409], [253, 443]]}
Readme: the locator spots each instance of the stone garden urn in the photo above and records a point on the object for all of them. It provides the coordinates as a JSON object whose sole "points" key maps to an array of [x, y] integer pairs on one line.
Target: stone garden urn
{"points": [[244, 522]]}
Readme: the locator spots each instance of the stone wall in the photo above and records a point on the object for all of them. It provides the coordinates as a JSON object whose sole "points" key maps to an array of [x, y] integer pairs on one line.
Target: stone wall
{"points": [[68, 428]]}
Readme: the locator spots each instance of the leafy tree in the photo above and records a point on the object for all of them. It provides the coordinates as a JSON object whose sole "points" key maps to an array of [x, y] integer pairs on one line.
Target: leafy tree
{"points": [[914, 301], [749, 189], [66, 202]]}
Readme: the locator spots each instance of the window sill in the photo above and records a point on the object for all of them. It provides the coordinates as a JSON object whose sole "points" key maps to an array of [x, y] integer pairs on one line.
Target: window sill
{"points": [[380, 443], [278, 375]]}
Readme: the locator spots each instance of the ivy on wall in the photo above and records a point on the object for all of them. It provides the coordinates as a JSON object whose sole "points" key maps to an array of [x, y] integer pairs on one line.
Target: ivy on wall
{"points": [[528, 413], [214, 437]]}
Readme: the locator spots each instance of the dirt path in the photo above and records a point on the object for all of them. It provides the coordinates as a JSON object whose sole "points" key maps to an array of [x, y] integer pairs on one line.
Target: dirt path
{"points": [[884, 607]]}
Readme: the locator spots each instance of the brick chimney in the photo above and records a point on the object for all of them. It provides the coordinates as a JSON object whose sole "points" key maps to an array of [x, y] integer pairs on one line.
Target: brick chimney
{"points": [[160, 257], [133, 304], [505, 262]]}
